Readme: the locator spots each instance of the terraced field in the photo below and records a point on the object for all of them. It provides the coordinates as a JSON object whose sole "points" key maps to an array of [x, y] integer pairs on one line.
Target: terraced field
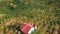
{"points": [[46, 13]]}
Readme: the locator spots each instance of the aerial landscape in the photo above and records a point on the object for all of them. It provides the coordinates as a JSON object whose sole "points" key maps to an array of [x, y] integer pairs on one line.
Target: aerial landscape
{"points": [[44, 14]]}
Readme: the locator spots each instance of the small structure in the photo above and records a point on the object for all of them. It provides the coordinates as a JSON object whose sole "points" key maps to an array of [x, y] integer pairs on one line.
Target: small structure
{"points": [[27, 28]]}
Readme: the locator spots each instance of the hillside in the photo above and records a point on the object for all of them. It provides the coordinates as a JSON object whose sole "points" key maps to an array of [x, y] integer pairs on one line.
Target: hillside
{"points": [[44, 12]]}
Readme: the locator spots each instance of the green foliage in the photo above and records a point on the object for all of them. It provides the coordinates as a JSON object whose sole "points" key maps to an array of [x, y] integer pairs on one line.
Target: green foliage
{"points": [[44, 12]]}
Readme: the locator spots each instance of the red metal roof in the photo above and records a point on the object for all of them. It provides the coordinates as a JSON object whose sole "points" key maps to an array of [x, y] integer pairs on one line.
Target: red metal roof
{"points": [[26, 27]]}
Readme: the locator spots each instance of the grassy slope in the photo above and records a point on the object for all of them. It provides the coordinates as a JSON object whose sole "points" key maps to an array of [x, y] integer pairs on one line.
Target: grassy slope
{"points": [[38, 11]]}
